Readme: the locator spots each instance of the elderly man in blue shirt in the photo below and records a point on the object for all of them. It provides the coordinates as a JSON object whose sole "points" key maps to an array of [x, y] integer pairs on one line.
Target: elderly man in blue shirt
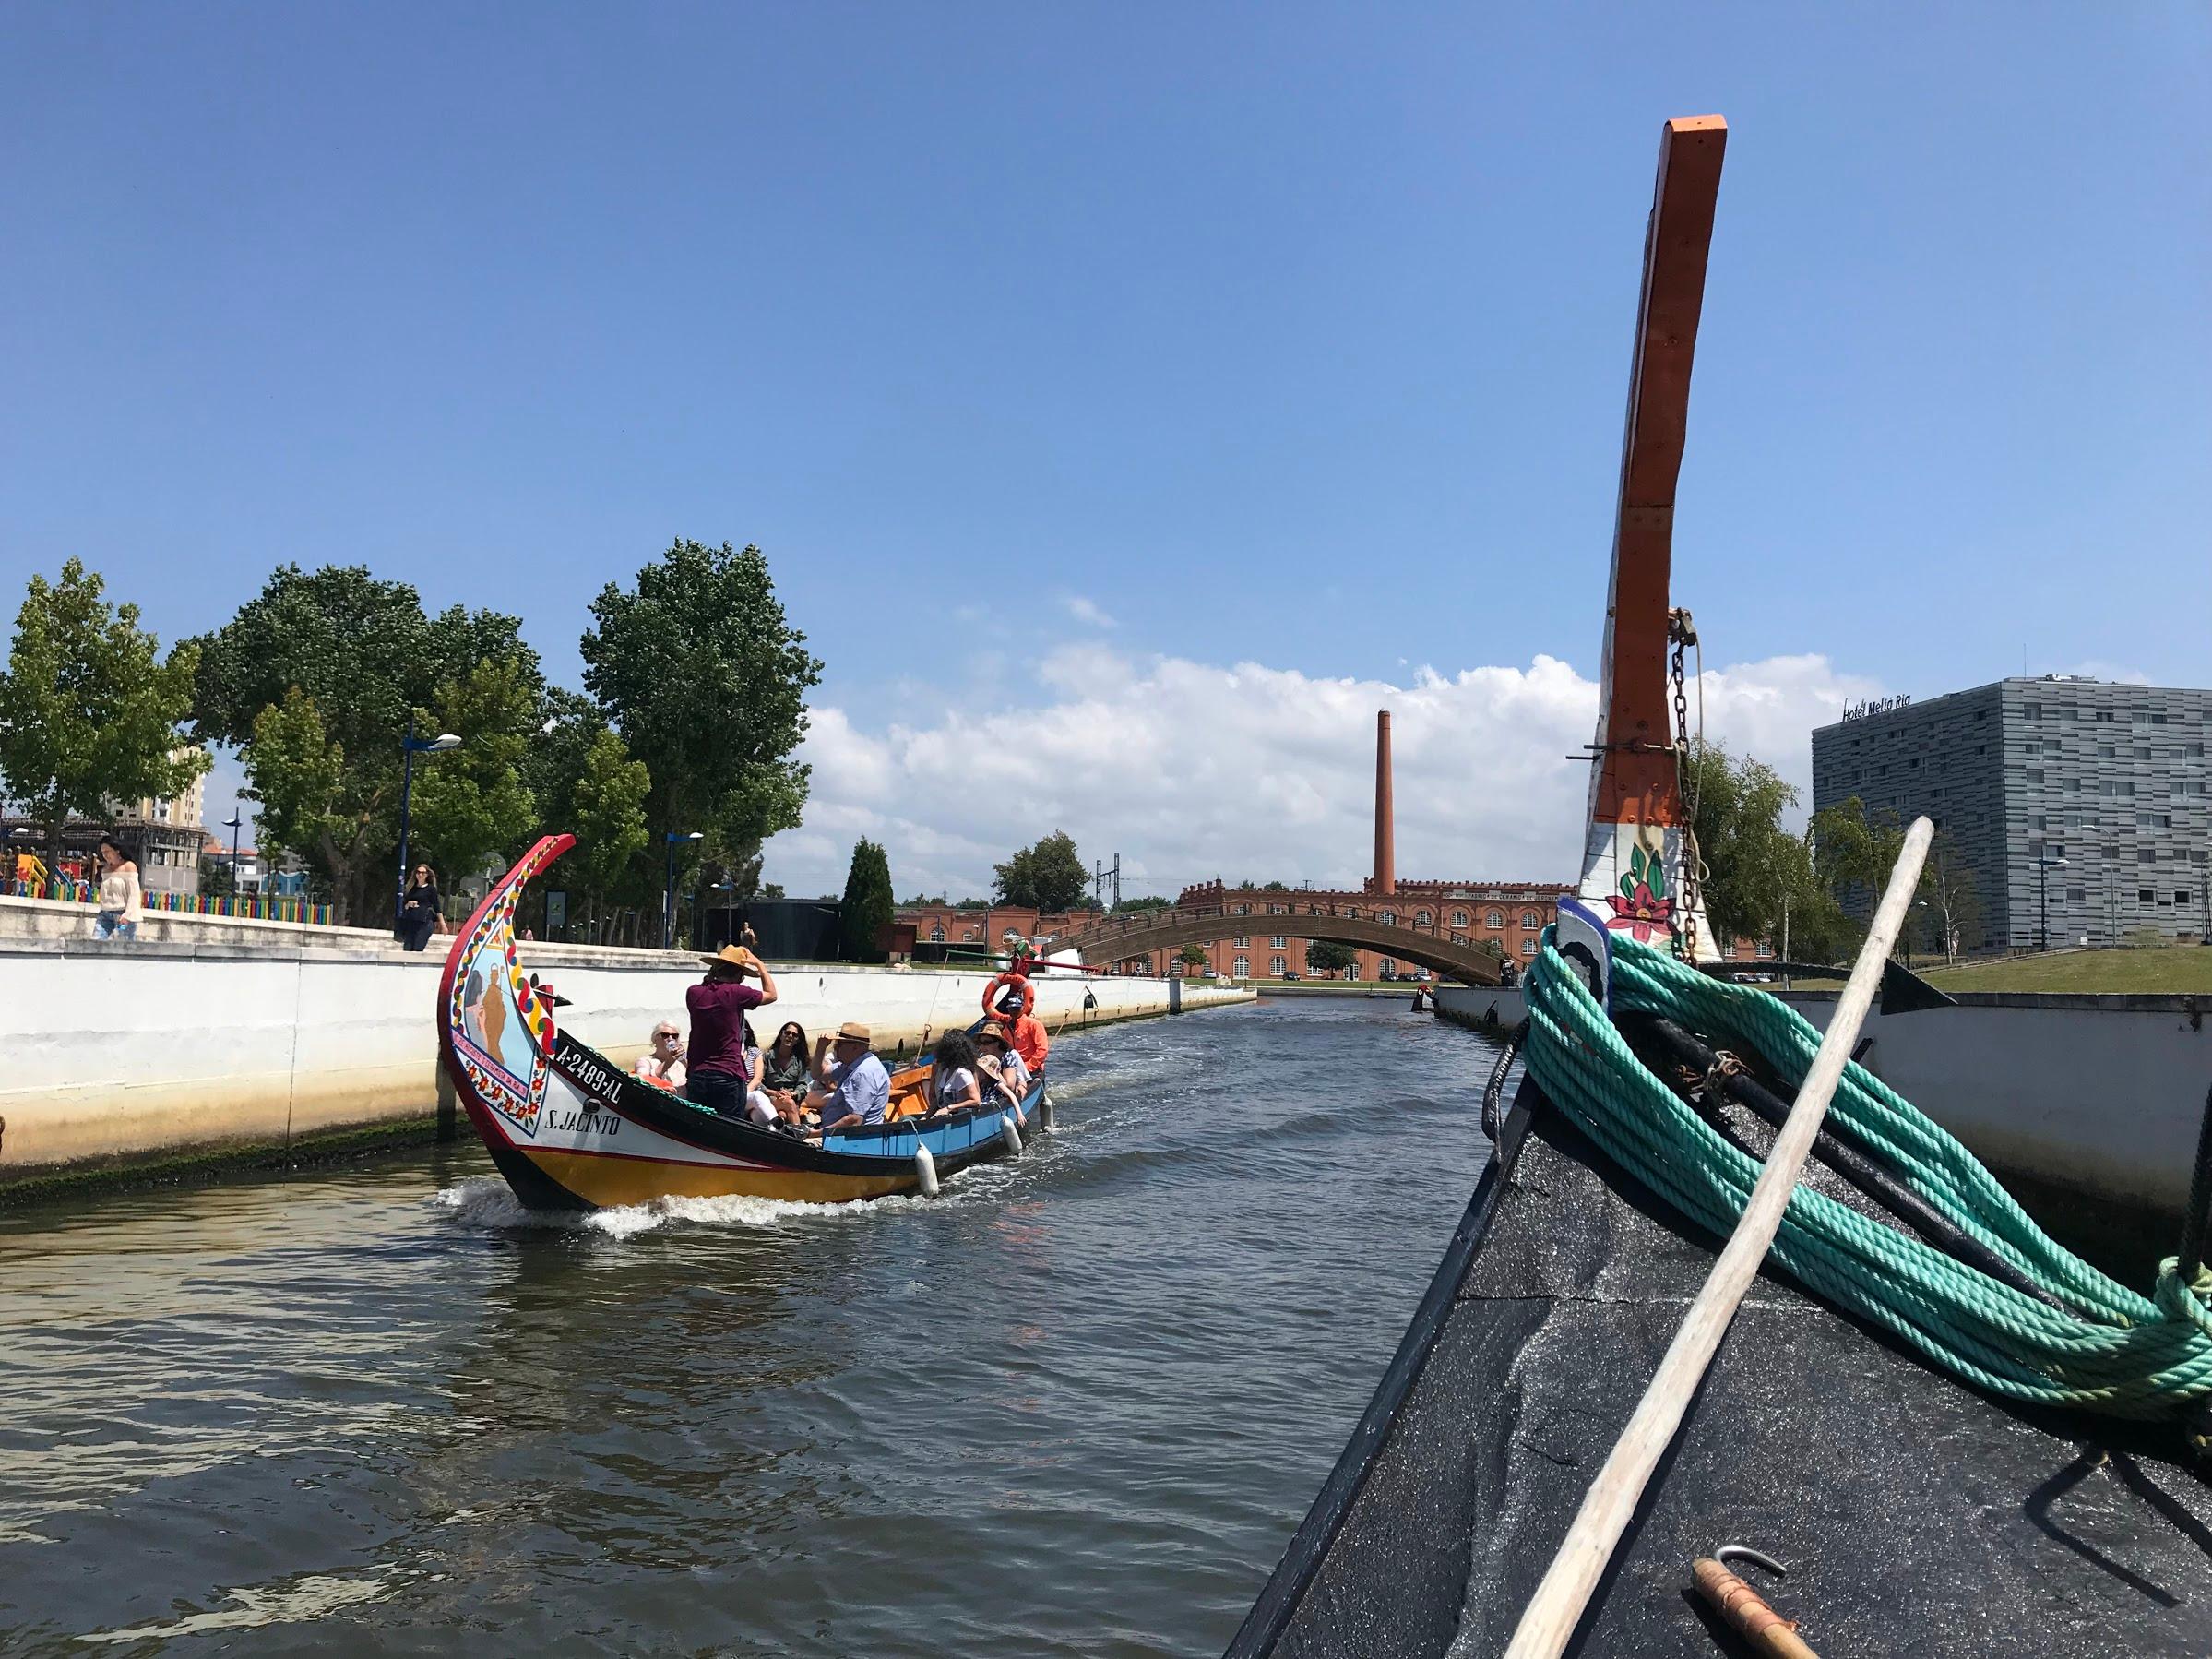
{"points": [[855, 1087]]}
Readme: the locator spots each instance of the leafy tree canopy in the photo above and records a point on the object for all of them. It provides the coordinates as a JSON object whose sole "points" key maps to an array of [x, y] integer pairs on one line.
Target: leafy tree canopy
{"points": [[1325, 956], [363, 649], [706, 681], [1194, 955], [606, 812], [471, 802], [89, 712], [325, 668], [866, 910], [1048, 876], [1150, 903]]}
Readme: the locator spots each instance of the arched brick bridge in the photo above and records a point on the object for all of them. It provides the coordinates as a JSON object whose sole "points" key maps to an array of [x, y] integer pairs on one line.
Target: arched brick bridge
{"points": [[1141, 933]]}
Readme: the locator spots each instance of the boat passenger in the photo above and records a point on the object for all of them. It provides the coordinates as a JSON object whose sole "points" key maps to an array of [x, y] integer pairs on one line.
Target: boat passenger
{"points": [[718, 1069], [785, 1072], [953, 1084], [1025, 1033], [854, 1087], [121, 899], [663, 1062], [1013, 1073]]}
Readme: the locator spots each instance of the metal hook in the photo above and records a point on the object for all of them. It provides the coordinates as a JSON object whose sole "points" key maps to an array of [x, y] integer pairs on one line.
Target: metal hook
{"points": [[1744, 1552]]}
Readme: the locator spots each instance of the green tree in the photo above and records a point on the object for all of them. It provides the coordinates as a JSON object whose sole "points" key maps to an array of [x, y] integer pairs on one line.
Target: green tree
{"points": [[363, 656], [1128, 906], [1048, 876], [89, 712], [1952, 899], [298, 773], [606, 814], [1325, 956], [866, 910], [471, 802], [706, 681], [1761, 882], [1192, 956]]}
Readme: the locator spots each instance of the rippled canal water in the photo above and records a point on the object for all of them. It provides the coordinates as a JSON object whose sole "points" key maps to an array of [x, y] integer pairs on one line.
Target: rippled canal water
{"points": [[1075, 1406]]}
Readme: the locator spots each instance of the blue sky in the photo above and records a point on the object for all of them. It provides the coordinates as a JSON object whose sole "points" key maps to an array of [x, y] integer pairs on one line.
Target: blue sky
{"points": [[1285, 335]]}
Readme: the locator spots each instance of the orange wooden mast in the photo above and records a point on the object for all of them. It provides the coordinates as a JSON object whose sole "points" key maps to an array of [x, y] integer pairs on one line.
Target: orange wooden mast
{"points": [[1632, 861]]}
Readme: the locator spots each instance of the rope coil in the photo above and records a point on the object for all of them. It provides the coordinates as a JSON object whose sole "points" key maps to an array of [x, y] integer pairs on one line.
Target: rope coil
{"points": [[2107, 1349]]}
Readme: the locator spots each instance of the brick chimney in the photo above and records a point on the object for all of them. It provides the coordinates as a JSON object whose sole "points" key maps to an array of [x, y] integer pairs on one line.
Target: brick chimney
{"points": [[1386, 851]]}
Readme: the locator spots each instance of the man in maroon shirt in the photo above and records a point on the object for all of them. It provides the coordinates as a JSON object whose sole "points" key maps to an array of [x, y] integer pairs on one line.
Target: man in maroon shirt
{"points": [[718, 1069]]}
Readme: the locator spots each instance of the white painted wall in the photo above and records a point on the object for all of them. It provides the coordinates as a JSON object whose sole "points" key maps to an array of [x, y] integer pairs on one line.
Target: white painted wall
{"points": [[2099, 1095], [127, 1052]]}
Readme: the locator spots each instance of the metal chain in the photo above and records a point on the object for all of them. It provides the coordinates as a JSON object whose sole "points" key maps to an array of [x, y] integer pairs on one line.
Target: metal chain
{"points": [[1683, 631]]}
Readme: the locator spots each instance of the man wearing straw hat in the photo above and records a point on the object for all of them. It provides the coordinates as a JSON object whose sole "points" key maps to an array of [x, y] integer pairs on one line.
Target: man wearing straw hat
{"points": [[717, 1070], [855, 1087]]}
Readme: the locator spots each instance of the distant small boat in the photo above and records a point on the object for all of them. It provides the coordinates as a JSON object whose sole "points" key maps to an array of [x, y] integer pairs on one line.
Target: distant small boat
{"points": [[1423, 999], [570, 1130]]}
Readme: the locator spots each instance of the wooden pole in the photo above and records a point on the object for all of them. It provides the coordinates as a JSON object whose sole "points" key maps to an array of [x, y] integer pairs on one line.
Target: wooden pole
{"points": [[1559, 1601]]}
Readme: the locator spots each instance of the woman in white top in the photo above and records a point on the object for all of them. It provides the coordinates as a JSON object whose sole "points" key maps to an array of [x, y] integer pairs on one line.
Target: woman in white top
{"points": [[952, 1085], [121, 901]]}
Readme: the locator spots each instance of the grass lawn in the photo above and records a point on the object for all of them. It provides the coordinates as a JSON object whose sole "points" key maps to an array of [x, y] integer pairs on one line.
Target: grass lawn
{"points": [[2174, 970]]}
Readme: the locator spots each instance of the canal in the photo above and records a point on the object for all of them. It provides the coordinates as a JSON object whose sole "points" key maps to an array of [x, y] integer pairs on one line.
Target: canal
{"points": [[1076, 1406]]}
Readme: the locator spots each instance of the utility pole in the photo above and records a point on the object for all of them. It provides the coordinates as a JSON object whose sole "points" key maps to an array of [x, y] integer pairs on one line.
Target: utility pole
{"points": [[1097, 882], [1117, 881]]}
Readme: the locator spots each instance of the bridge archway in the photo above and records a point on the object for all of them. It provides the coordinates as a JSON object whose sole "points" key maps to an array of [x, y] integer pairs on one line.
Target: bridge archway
{"points": [[1117, 938]]}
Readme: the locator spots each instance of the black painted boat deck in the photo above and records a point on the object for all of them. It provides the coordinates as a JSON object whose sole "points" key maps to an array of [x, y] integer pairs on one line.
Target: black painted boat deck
{"points": [[1916, 1515]]}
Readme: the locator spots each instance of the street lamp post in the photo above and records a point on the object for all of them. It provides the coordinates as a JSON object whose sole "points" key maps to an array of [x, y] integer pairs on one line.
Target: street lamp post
{"points": [[1909, 919], [2044, 869], [234, 824], [727, 888], [675, 838], [412, 745]]}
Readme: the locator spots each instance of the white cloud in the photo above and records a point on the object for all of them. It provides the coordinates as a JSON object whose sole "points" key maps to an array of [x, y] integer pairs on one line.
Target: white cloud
{"points": [[1085, 609], [1192, 769]]}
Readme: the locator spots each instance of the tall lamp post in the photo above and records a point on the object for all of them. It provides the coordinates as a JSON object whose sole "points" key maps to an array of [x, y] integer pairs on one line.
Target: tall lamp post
{"points": [[2044, 869], [675, 837], [726, 888], [234, 824], [412, 745]]}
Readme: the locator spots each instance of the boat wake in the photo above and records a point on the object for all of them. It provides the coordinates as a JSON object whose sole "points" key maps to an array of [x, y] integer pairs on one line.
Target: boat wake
{"points": [[487, 1202]]}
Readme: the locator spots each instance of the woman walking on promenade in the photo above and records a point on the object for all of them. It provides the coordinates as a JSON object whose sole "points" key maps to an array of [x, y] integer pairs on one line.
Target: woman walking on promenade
{"points": [[122, 900], [418, 908]]}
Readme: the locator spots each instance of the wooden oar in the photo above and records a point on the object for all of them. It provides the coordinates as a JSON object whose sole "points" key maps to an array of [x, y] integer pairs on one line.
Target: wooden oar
{"points": [[1559, 1601]]}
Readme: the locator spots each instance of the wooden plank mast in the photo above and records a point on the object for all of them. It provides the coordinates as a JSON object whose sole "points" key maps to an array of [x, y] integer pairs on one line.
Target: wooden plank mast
{"points": [[1632, 861]]}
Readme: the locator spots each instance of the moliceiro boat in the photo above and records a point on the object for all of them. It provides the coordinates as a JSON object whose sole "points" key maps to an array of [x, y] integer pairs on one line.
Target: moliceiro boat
{"points": [[570, 1130], [1724, 1303]]}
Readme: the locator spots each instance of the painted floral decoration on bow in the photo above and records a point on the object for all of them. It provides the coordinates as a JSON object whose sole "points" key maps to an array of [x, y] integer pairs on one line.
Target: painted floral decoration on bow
{"points": [[1643, 906]]}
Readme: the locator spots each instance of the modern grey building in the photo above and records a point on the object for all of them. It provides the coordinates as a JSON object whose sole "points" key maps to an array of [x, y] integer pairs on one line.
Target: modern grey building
{"points": [[2112, 779]]}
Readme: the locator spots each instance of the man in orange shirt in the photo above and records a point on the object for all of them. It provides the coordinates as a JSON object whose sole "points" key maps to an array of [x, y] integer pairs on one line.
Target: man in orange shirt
{"points": [[1025, 1034]]}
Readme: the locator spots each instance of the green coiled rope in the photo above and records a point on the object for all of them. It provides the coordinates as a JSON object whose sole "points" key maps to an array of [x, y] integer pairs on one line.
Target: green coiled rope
{"points": [[2110, 1350]]}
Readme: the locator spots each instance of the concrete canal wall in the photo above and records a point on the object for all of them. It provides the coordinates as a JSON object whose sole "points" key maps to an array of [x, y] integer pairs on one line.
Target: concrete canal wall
{"points": [[2096, 1097], [160, 1051]]}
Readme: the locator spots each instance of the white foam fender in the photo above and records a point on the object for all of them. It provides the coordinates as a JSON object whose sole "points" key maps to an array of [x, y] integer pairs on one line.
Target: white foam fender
{"points": [[925, 1172]]}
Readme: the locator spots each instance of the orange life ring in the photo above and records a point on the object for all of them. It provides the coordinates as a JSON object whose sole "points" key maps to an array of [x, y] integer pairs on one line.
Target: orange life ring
{"points": [[991, 991]]}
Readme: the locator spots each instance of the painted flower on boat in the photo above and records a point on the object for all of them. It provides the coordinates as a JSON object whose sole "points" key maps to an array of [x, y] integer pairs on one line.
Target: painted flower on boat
{"points": [[1643, 906]]}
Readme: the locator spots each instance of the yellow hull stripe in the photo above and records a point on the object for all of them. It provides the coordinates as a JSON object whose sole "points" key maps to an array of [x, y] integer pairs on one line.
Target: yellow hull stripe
{"points": [[611, 1182]]}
